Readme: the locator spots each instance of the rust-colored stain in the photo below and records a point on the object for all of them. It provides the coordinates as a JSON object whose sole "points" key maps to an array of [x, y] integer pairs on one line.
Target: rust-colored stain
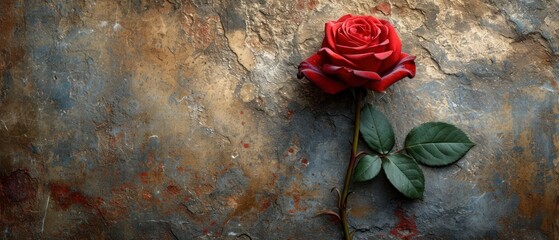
{"points": [[304, 162], [361, 210], [289, 115], [531, 183], [296, 204], [144, 177], [298, 197], [146, 195], [535, 200], [384, 7], [173, 190], [406, 227], [307, 4], [245, 203], [249, 202], [265, 204], [65, 197], [154, 176]]}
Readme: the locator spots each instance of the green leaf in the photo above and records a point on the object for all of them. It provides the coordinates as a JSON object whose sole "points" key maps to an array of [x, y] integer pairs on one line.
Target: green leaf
{"points": [[367, 168], [404, 173], [437, 143], [376, 130]]}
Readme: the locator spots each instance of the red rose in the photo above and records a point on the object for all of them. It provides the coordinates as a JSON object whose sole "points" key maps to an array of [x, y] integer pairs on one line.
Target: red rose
{"points": [[358, 51]]}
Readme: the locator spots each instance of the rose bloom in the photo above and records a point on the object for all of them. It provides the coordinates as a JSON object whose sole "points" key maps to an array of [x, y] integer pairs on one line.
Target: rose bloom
{"points": [[358, 51]]}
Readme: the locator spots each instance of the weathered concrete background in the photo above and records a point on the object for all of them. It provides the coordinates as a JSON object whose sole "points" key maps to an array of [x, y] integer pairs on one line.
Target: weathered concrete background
{"points": [[179, 119]]}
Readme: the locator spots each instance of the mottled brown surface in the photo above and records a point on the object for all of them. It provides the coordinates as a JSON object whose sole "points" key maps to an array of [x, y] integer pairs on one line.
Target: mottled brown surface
{"points": [[185, 120]]}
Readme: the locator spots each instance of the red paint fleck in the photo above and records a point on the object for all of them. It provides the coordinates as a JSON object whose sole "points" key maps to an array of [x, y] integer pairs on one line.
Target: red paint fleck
{"points": [[406, 228], [174, 190], [274, 180], [144, 177], [206, 231], [66, 197], [312, 4], [305, 162], [300, 4], [246, 145], [308, 4], [296, 204], [147, 196], [289, 114], [297, 201], [291, 150], [383, 7], [266, 203], [242, 112], [17, 187]]}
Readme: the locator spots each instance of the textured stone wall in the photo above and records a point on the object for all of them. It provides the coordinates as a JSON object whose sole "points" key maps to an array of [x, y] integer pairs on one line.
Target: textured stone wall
{"points": [[152, 119]]}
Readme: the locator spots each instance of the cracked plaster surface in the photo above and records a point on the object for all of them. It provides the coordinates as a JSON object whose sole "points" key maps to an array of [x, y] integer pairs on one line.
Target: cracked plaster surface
{"points": [[185, 120]]}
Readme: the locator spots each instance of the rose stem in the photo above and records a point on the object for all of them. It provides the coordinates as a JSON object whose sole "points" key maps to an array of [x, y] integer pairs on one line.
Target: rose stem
{"points": [[351, 167]]}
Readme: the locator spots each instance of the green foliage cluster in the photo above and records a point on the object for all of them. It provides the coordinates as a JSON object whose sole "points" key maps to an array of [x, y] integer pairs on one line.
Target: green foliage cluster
{"points": [[433, 144]]}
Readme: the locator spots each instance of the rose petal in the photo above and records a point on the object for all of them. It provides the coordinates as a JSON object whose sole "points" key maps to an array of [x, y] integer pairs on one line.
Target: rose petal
{"points": [[394, 44], [310, 69], [343, 39], [383, 55], [314, 61], [349, 30], [360, 62], [372, 76], [355, 39], [360, 56], [330, 35], [345, 74], [372, 20], [337, 59], [376, 32], [404, 68], [366, 62], [360, 49], [383, 32], [327, 84]]}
